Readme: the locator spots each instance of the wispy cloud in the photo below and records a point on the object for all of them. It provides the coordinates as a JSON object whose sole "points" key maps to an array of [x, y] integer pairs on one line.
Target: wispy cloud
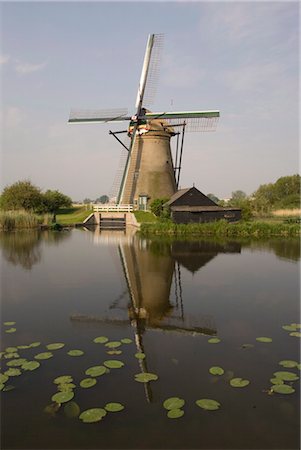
{"points": [[182, 74], [4, 59], [12, 118], [25, 68]]}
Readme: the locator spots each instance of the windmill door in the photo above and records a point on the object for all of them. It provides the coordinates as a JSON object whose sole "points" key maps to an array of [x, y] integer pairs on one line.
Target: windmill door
{"points": [[142, 203]]}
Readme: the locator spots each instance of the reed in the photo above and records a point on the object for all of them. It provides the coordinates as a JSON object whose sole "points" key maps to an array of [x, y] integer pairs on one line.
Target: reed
{"points": [[11, 220], [222, 229]]}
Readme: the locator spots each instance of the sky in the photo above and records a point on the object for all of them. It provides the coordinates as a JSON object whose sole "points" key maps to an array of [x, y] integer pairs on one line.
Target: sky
{"points": [[241, 58]]}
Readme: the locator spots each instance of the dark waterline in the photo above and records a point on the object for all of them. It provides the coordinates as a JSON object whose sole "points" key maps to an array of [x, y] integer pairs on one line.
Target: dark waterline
{"points": [[169, 297]]}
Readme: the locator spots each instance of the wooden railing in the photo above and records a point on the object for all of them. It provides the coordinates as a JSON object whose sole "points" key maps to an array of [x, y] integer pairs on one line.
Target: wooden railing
{"points": [[112, 208]]}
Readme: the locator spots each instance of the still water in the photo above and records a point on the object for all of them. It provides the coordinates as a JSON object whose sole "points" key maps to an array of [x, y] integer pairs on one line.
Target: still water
{"points": [[169, 298]]}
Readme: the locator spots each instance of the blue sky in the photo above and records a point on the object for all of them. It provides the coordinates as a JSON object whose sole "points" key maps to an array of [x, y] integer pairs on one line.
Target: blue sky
{"points": [[238, 57]]}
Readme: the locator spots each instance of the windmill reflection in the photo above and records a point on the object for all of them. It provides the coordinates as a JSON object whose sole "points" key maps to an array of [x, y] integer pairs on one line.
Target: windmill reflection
{"points": [[150, 269]]}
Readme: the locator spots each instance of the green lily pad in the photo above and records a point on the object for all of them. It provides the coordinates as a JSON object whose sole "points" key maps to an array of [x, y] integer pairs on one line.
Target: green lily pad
{"points": [[2, 386], [299, 366], [23, 347], [95, 371], [276, 381], [13, 372], [296, 334], [62, 397], [113, 344], [11, 330], [9, 324], [264, 339], [175, 413], [297, 325], [11, 349], [11, 355], [52, 408], [8, 388], [45, 355], [63, 379], [145, 377], [208, 404], [239, 382], [113, 364], [288, 363], [291, 327], [283, 389], [173, 403], [34, 344], [71, 410], [100, 340], [16, 362], [140, 355], [247, 346], [114, 407], [114, 352], [75, 353], [216, 370], [126, 341], [214, 340], [286, 376], [88, 382], [3, 378], [55, 346], [66, 387], [93, 415]]}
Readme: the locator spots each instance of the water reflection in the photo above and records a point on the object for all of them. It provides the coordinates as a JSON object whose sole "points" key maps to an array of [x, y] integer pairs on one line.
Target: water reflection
{"points": [[24, 247]]}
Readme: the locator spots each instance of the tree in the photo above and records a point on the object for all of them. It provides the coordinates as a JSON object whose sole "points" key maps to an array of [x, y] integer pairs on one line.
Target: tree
{"points": [[87, 200], [213, 198], [237, 196], [157, 207], [103, 199], [21, 195], [54, 200]]}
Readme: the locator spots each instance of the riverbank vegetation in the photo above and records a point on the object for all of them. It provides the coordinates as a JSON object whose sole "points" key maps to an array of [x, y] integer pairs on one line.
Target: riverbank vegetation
{"points": [[11, 220]]}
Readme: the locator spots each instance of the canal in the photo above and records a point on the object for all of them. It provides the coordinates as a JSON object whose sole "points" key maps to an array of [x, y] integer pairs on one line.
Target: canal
{"points": [[204, 317]]}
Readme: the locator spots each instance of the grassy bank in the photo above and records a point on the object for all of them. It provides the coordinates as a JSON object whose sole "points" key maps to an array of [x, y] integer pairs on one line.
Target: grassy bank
{"points": [[221, 228], [11, 220], [145, 217], [71, 216]]}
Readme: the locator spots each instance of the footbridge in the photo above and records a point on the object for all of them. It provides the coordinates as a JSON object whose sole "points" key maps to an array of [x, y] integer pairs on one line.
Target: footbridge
{"points": [[112, 216]]}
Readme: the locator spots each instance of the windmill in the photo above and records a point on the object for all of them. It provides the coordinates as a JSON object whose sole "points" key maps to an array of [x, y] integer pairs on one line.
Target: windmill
{"points": [[150, 171]]}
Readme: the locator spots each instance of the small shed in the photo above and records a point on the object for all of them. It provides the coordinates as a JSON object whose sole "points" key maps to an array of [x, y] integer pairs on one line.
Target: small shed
{"points": [[192, 206]]}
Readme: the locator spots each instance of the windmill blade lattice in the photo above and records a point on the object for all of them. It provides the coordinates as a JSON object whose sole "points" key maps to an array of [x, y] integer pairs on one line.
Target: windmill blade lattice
{"points": [[98, 115]]}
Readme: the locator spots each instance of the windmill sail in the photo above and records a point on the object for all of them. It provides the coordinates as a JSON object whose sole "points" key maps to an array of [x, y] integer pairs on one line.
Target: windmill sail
{"points": [[194, 120], [98, 115]]}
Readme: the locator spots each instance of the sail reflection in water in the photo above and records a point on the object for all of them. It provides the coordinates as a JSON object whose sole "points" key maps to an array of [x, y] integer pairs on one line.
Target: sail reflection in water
{"points": [[149, 268]]}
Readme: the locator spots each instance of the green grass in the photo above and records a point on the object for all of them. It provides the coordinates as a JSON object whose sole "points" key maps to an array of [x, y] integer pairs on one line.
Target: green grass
{"points": [[145, 217], [12, 220], [222, 229], [71, 216]]}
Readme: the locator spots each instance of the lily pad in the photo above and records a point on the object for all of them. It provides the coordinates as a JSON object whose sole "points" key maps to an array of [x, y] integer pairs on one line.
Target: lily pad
{"points": [[276, 381], [283, 389], [88, 382], [296, 334], [126, 341], [100, 340], [45, 355], [114, 407], [93, 415], [9, 323], [247, 346], [96, 371], [71, 410], [75, 353], [62, 397], [286, 376], [23, 347], [264, 339], [11, 330], [16, 362], [3, 378], [11, 355], [140, 355], [8, 388], [297, 325], [13, 372], [173, 403], [291, 327], [216, 370], [214, 340], [34, 344], [288, 363], [175, 413], [114, 352], [63, 379], [55, 346], [113, 364], [52, 408], [208, 404], [145, 377], [11, 349], [2, 386], [113, 344], [239, 382], [66, 387]]}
